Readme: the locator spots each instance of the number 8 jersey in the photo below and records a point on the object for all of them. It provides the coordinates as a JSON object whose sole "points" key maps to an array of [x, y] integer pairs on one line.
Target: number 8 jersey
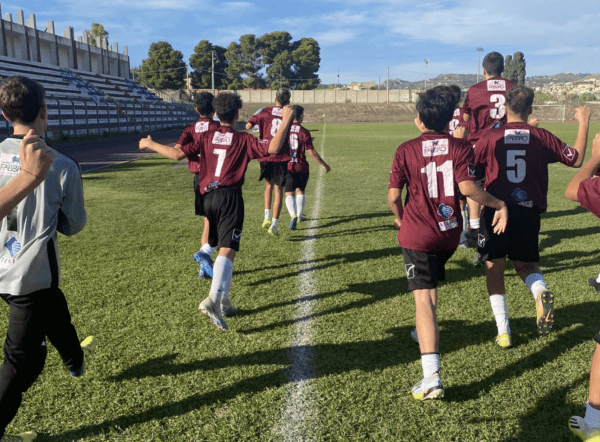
{"points": [[431, 166], [516, 157]]}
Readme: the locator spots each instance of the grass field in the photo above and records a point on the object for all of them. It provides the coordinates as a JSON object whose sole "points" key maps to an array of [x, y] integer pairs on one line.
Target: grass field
{"points": [[162, 372]]}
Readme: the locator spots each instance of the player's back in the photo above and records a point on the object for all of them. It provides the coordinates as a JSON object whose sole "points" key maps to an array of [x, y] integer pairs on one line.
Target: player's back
{"points": [[192, 133], [485, 103], [300, 141], [430, 166]]}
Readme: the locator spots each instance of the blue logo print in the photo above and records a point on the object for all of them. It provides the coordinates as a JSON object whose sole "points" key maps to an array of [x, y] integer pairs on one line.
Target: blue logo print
{"points": [[13, 246], [496, 125], [518, 195], [445, 211], [15, 160]]}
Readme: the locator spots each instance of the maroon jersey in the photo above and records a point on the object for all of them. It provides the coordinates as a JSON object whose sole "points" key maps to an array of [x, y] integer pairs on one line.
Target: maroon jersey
{"points": [[485, 104], [588, 195], [268, 121], [224, 155], [516, 157], [457, 118], [300, 142], [431, 166], [192, 133]]}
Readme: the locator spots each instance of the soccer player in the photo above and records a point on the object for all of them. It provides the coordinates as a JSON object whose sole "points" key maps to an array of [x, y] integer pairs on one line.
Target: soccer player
{"points": [[430, 166], [515, 158], [224, 156], [29, 264], [274, 168], [585, 189], [204, 108], [484, 107], [297, 170]]}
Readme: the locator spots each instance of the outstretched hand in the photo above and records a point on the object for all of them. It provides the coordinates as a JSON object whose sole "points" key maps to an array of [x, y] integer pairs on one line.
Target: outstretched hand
{"points": [[35, 155], [500, 219], [145, 143]]}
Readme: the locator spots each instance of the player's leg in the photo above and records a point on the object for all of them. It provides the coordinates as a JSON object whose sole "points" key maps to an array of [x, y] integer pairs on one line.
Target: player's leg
{"points": [[290, 201], [464, 243], [300, 197], [204, 255], [494, 274], [595, 282], [279, 176], [24, 354], [268, 197], [532, 276], [588, 426]]}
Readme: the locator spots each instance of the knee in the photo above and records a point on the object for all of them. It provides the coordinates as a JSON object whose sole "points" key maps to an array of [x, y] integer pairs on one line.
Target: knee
{"points": [[26, 367]]}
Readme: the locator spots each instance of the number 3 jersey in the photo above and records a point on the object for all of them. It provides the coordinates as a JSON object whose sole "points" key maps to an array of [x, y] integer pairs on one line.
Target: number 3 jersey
{"points": [[430, 166], [224, 156], [485, 103], [268, 121], [516, 157]]}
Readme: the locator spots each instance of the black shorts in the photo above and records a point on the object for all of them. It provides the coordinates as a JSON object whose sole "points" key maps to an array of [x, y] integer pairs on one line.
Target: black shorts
{"points": [[199, 199], [296, 180], [224, 209], [425, 269], [273, 172], [520, 240]]}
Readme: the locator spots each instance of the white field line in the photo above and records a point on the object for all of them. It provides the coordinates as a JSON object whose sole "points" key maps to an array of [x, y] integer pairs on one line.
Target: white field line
{"points": [[298, 417]]}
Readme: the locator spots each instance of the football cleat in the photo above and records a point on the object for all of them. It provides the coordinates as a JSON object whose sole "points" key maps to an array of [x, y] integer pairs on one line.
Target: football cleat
{"points": [[227, 308], [477, 261], [293, 222], [580, 429], [545, 311], [213, 311], [504, 340], [273, 231], [594, 283], [429, 388], [206, 264], [87, 346], [266, 224], [414, 335], [301, 218], [29, 436]]}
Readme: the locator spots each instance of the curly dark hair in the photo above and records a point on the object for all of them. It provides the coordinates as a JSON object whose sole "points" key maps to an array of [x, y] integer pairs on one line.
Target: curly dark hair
{"points": [[204, 103], [227, 105], [22, 99], [436, 107]]}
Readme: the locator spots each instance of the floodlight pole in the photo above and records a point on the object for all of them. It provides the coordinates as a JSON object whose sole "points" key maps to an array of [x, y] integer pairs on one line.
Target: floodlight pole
{"points": [[213, 72], [426, 62], [479, 64]]}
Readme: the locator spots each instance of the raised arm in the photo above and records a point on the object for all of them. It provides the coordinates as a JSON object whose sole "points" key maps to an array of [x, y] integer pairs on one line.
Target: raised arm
{"points": [[174, 153], [587, 170], [582, 115], [280, 137], [36, 158]]}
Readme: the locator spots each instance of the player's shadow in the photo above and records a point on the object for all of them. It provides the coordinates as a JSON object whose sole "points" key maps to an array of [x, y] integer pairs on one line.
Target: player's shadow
{"points": [[560, 213], [332, 221], [557, 262], [337, 234], [550, 238], [585, 314]]}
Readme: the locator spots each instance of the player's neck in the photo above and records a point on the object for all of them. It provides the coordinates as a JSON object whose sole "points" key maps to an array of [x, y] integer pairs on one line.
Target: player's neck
{"points": [[23, 129], [514, 118]]}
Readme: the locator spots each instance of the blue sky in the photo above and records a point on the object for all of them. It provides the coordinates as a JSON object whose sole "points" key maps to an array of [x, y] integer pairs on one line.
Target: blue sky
{"points": [[360, 39]]}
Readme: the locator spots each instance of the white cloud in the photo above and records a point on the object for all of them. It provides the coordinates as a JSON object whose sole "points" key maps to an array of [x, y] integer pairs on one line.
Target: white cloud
{"points": [[334, 37]]}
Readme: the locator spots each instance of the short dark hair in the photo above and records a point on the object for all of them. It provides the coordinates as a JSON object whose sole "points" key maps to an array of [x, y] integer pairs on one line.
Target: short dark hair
{"points": [[436, 107], [298, 111], [520, 99], [493, 63], [204, 103], [455, 89], [227, 105], [22, 99], [283, 96]]}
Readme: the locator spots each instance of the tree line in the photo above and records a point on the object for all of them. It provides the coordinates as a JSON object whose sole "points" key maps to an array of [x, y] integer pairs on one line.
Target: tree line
{"points": [[514, 68], [270, 61]]}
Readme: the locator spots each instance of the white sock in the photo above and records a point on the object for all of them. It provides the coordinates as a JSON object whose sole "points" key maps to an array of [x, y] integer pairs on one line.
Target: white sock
{"points": [[430, 363], [463, 213], [474, 223], [290, 203], [300, 199], [598, 278], [222, 272], [500, 310], [535, 282], [592, 416], [274, 222], [267, 214], [206, 248]]}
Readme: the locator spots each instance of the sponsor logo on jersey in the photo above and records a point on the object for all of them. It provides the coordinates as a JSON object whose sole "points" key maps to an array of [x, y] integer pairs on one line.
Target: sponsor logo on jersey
{"points": [[445, 211], [277, 112], [448, 225], [496, 125], [236, 235], [9, 164], [410, 271], [223, 139], [201, 126], [519, 196], [432, 148], [496, 85], [516, 136], [568, 153], [13, 246]]}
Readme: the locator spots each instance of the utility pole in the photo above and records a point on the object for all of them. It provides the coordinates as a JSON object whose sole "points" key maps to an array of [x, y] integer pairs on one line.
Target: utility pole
{"points": [[479, 64], [338, 85], [426, 62], [388, 85], [187, 81], [213, 72]]}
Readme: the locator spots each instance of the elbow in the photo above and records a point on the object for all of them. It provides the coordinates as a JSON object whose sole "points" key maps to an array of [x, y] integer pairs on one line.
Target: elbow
{"points": [[569, 194]]}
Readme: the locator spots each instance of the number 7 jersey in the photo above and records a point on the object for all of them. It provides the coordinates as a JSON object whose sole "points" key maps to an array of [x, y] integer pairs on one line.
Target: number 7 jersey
{"points": [[430, 167]]}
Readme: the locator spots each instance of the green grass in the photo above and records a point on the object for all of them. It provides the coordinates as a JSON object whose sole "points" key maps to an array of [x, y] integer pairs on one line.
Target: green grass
{"points": [[162, 372]]}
